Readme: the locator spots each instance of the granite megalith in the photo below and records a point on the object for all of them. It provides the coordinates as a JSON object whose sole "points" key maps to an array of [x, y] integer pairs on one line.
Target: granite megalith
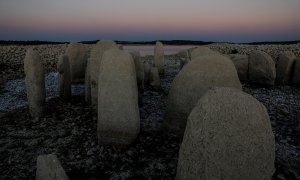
{"points": [[95, 61], [159, 59], [261, 68], [49, 168], [35, 82], [191, 83], [284, 68], [228, 136], [241, 63], [77, 54], [118, 111], [63, 67]]}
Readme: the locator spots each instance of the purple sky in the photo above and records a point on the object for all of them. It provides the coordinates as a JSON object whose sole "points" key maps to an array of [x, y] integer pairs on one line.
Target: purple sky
{"points": [[210, 20]]}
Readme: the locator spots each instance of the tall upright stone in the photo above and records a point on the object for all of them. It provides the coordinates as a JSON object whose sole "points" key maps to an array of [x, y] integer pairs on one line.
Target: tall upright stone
{"points": [[118, 111], [63, 67], [147, 69], [284, 68], [140, 74], [228, 136], [190, 84], [49, 168], [159, 59], [95, 61], [261, 68], [35, 82], [77, 54]]}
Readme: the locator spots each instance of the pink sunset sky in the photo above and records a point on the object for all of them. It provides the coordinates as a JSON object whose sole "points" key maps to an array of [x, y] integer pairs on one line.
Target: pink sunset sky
{"points": [[139, 20]]}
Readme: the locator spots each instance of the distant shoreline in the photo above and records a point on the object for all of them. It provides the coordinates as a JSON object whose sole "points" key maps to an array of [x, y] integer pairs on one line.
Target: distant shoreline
{"points": [[171, 42]]}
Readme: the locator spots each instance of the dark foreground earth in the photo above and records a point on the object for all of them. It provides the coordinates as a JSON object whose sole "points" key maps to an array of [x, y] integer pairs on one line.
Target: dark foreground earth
{"points": [[68, 130]]}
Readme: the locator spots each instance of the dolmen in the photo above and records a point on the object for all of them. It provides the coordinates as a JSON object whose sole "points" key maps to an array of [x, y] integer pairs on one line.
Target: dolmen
{"points": [[192, 82], [35, 82], [228, 136], [118, 111]]}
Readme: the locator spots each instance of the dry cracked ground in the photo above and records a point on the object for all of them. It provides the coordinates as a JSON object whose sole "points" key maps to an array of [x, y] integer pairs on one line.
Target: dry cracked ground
{"points": [[68, 130]]}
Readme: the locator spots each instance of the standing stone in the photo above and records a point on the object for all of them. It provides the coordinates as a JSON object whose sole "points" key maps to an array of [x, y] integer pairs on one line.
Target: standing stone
{"points": [[296, 74], [49, 168], [77, 54], [87, 83], [195, 78], [147, 69], [184, 58], [241, 62], [139, 68], [63, 67], [120, 47], [95, 61], [118, 111], [154, 78], [261, 68], [284, 68], [200, 51], [159, 60], [228, 136], [35, 82]]}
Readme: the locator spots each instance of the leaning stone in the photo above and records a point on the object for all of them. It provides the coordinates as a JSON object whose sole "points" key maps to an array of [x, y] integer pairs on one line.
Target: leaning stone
{"points": [[77, 54], [228, 136], [49, 168], [35, 82], [154, 78], [139, 68], [296, 74], [63, 67], [118, 111], [241, 62], [95, 61], [284, 68], [159, 60], [195, 78], [261, 68]]}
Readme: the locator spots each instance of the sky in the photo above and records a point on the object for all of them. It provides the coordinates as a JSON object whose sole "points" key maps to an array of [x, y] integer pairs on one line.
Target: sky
{"points": [[141, 20]]}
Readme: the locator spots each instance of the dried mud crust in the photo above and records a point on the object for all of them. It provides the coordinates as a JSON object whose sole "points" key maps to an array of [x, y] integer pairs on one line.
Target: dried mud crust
{"points": [[69, 131]]}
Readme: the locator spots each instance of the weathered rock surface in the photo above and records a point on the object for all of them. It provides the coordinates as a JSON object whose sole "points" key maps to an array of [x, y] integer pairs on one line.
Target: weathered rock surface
{"points": [[49, 168], [261, 68], [159, 59], [78, 55], [35, 82], [140, 74], [228, 136], [184, 58], [296, 74], [201, 51], [63, 67], [147, 69], [87, 83], [241, 64], [284, 68], [95, 61], [118, 111], [198, 76]]}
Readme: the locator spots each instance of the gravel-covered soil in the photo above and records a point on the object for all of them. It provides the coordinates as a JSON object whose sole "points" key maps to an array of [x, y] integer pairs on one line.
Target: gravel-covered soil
{"points": [[68, 130]]}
